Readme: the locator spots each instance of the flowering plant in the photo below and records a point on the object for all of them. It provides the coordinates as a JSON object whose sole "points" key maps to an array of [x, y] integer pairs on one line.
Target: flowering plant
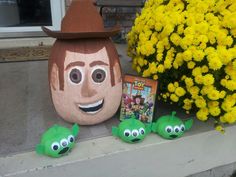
{"points": [[189, 46]]}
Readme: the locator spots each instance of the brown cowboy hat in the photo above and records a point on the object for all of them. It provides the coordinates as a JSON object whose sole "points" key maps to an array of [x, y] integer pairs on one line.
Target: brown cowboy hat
{"points": [[82, 20]]}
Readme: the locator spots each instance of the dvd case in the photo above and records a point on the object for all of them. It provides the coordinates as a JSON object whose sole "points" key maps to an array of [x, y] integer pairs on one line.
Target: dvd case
{"points": [[138, 98]]}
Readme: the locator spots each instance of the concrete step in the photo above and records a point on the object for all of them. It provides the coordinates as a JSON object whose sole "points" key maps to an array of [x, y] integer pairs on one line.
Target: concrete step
{"points": [[199, 150]]}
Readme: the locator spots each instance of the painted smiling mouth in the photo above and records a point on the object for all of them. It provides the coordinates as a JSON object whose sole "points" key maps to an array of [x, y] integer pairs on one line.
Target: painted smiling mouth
{"points": [[92, 108], [173, 136], [64, 150], [135, 140]]}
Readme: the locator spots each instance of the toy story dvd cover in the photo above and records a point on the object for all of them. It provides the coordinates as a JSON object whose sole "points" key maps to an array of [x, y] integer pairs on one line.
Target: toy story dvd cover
{"points": [[138, 98]]}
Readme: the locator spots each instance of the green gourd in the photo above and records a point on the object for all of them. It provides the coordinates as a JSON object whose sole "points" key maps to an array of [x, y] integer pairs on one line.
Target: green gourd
{"points": [[131, 130], [57, 141], [171, 126]]}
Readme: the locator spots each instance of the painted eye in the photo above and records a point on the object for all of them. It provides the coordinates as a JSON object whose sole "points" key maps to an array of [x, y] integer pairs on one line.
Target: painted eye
{"points": [[75, 76], [182, 127], [55, 146], [64, 143], [99, 75], [135, 133], [169, 129], [71, 138], [176, 129], [127, 132], [142, 131]]}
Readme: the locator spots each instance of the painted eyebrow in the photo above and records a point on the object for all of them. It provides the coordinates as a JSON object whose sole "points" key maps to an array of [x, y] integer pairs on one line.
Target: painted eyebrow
{"points": [[76, 63], [94, 63]]}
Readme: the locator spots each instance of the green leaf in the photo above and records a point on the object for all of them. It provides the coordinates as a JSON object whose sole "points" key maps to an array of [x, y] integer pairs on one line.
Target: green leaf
{"points": [[188, 123], [39, 149], [154, 127], [148, 127], [75, 129], [115, 131]]}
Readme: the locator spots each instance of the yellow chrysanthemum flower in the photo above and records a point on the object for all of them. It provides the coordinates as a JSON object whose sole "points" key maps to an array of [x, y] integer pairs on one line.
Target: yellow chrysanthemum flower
{"points": [[189, 82], [175, 38], [179, 91], [146, 73], [228, 103], [208, 79], [174, 97], [200, 102], [213, 104], [152, 67], [214, 111], [205, 69], [167, 64], [215, 63], [138, 69], [220, 129], [199, 79], [229, 117], [231, 85], [224, 55], [196, 71], [171, 87], [191, 65], [198, 55], [194, 91], [202, 114], [160, 68], [155, 77], [187, 55], [176, 84], [213, 95]]}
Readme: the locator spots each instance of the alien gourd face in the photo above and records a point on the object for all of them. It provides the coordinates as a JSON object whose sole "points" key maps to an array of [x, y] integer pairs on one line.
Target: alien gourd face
{"points": [[171, 130], [57, 141], [131, 130], [171, 127]]}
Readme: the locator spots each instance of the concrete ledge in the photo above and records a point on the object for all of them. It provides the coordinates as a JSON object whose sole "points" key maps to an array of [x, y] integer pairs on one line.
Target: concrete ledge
{"points": [[154, 157]]}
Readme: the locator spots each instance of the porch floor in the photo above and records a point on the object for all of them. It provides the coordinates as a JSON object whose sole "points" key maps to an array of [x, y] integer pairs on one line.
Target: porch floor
{"points": [[27, 111]]}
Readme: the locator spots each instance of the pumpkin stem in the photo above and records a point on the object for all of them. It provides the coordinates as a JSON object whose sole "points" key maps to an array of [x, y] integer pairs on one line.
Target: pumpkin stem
{"points": [[173, 114]]}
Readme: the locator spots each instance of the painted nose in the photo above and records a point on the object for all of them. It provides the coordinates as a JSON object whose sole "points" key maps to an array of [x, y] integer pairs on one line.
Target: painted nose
{"points": [[87, 90]]}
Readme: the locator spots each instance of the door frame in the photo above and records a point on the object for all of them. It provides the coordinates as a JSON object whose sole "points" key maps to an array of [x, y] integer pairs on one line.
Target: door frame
{"points": [[57, 11]]}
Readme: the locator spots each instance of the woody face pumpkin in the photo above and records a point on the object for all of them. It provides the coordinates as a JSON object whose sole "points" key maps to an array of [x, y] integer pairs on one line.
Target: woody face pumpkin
{"points": [[92, 86]]}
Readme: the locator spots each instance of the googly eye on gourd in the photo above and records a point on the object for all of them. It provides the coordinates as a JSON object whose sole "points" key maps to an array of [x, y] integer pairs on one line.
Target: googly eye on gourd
{"points": [[55, 146], [127, 133], [64, 143], [182, 127], [99, 75], [75, 75], [169, 129], [71, 138], [141, 131], [135, 133], [176, 129]]}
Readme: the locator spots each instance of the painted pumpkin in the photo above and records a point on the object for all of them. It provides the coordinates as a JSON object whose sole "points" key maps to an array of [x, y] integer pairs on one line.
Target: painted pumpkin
{"points": [[84, 69]]}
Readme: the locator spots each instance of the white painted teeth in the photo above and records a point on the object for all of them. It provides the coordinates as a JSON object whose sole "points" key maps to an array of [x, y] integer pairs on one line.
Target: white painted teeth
{"points": [[91, 105], [93, 112]]}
